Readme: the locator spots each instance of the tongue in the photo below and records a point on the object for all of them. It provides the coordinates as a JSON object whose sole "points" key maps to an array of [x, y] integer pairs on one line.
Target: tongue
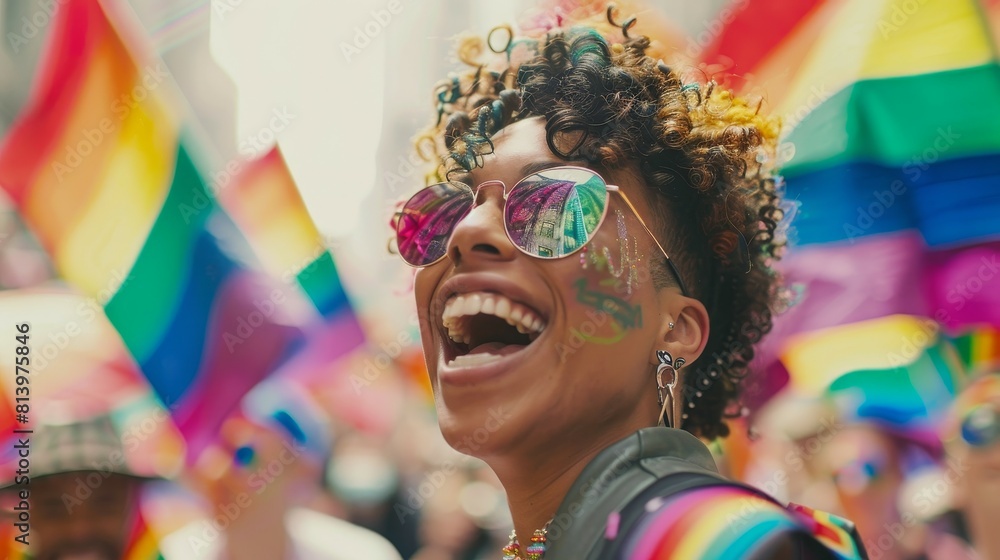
{"points": [[496, 348]]}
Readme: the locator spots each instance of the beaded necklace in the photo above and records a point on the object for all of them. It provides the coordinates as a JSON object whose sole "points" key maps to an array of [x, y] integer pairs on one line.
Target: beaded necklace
{"points": [[534, 551]]}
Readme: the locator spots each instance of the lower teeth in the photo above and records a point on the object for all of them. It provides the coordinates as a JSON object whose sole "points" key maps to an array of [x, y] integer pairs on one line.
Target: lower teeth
{"points": [[472, 360]]}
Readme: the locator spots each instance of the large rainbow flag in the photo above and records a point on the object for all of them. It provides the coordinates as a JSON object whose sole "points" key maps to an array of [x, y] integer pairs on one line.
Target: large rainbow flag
{"points": [[104, 170], [890, 106]]}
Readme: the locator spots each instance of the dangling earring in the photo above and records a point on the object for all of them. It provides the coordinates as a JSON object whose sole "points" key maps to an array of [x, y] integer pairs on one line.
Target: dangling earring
{"points": [[665, 391]]}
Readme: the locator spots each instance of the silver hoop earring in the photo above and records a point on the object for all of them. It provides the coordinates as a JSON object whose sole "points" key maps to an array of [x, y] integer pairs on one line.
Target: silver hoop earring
{"points": [[666, 390]]}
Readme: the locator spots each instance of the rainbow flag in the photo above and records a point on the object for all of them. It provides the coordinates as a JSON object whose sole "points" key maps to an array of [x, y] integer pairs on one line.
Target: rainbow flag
{"points": [[101, 167], [265, 205], [836, 533], [142, 542], [9, 548], [993, 13], [979, 349], [899, 372], [888, 106]]}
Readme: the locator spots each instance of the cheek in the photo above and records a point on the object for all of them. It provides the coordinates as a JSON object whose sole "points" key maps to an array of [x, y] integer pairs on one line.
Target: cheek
{"points": [[603, 288], [424, 282]]}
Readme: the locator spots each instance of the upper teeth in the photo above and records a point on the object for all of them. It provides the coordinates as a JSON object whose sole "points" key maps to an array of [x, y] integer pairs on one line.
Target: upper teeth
{"points": [[521, 317]]}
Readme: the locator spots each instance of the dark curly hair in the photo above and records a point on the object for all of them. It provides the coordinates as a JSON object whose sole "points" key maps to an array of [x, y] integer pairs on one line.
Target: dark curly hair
{"points": [[703, 151]]}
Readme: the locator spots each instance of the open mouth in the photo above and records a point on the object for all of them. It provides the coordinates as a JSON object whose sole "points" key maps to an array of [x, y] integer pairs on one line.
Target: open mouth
{"points": [[483, 327]]}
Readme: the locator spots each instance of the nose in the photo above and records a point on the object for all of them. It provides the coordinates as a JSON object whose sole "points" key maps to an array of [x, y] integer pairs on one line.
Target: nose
{"points": [[480, 237]]}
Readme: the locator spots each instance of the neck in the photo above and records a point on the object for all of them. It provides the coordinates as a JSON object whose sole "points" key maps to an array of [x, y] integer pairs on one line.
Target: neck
{"points": [[537, 482], [534, 495]]}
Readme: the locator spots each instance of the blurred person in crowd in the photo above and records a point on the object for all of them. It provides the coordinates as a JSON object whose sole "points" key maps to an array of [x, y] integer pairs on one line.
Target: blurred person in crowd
{"points": [[972, 440], [895, 485], [809, 453], [83, 495], [595, 262], [860, 471], [364, 477], [448, 530], [258, 481]]}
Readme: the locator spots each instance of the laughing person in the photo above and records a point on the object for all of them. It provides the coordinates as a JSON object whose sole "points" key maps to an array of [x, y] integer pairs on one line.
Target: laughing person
{"points": [[594, 269]]}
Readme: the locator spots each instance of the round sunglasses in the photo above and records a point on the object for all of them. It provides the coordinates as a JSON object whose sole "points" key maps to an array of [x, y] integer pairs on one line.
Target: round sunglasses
{"points": [[549, 214]]}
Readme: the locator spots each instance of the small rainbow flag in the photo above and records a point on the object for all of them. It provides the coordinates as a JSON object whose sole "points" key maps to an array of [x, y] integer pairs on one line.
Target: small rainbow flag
{"points": [[836, 533], [142, 542], [900, 372], [266, 206], [979, 349], [9, 548], [101, 167]]}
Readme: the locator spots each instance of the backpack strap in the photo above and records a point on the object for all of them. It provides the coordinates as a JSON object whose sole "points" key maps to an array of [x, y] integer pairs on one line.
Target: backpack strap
{"points": [[697, 518]]}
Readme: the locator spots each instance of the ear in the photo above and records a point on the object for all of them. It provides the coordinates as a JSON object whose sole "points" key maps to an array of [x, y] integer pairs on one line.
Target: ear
{"points": [[689, 335]]}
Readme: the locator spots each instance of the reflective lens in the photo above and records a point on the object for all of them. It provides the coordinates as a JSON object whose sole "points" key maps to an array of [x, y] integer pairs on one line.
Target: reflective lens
{"points": [[981, 426], [555, 212], [427, 220], [549, 214]]}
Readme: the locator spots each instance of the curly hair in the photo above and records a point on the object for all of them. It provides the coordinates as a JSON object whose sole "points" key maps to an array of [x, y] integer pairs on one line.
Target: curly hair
{"points": [[703, 152]]}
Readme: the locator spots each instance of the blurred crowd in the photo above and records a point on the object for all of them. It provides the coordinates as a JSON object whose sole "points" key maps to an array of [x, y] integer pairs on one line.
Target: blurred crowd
{"points": [[341, 472]]}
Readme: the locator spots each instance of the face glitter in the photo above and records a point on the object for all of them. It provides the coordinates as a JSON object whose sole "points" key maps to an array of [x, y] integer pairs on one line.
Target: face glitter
{"points": [[628, 262]]}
